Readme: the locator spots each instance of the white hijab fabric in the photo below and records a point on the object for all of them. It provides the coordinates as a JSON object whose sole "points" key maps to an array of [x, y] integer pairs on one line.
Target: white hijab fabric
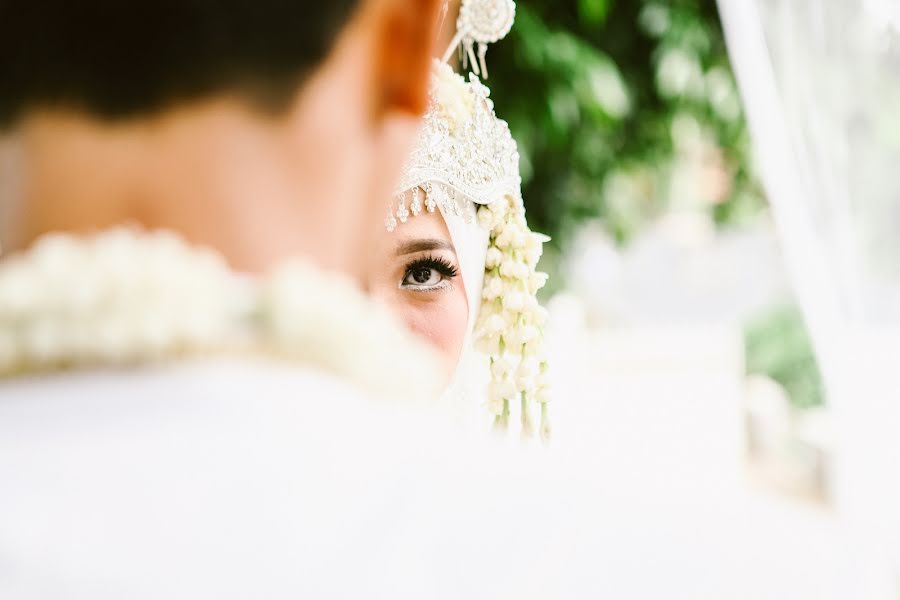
{"points": [[466, 391], [471, 243]]}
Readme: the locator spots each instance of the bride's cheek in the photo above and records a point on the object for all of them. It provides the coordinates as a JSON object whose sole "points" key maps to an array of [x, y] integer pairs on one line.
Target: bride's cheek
{"points": [[442, 322]]}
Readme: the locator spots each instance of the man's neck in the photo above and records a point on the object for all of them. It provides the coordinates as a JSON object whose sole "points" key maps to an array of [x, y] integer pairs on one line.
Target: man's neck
{"points": [[217, 175]]}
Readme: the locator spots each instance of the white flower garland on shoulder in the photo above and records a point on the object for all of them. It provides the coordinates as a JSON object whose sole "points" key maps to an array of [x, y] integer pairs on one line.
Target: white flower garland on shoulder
{"points": [[125, 297]]}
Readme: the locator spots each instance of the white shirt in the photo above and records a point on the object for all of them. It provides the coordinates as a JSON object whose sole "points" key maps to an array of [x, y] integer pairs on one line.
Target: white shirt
{"points": [[244, 479], [234, 479]]}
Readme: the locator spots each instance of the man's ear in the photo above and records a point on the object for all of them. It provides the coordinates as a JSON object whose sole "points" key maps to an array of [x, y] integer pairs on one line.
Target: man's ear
{"points": [[404, 37]]}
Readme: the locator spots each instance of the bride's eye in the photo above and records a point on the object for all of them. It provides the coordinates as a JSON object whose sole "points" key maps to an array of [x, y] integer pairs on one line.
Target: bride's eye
{"points": [[428, 274]]}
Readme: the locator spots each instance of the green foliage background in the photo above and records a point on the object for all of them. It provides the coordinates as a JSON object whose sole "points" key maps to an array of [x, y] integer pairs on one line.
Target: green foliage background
{"points": [[592, 90], [596, 93], [778, 345]]}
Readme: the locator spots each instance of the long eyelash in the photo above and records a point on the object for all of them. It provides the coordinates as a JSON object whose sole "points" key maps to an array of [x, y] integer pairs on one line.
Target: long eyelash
{"points": [[439, 264]]}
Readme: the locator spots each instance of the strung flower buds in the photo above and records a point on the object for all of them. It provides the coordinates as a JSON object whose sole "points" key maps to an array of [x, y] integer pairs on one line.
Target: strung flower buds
{"points": [[509, 328]]}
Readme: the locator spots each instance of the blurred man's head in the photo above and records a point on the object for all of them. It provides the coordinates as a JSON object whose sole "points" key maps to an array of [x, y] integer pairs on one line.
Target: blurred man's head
{"points": [[244, 123]]}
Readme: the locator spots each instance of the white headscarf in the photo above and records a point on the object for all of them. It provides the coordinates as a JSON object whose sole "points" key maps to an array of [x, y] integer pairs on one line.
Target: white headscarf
{"points": [[467, 390]]}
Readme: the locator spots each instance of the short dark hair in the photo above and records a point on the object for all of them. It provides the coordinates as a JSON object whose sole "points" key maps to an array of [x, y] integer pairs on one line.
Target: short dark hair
{"points": [[117, 59]]}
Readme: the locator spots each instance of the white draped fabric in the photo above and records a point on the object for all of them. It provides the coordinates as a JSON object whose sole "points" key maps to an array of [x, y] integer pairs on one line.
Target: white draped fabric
{"points": [[821, 85]]}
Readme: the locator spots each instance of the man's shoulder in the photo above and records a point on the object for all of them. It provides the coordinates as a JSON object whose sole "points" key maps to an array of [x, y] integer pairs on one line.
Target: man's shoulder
{"points": [[182, 385], [241, 398], [251, 466], [270, 478]]}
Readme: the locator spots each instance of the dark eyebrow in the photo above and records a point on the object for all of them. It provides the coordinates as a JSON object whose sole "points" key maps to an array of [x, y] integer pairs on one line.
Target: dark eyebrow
{"points": [[424, 245]]}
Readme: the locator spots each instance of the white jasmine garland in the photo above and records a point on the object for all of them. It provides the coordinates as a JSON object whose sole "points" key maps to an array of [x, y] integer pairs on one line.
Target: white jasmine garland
{"points": [[522, 272], [536, 281], [534, 346], [489, 345], [501, 368], [486, 221], [495, 324], [513, 301], [525, 383], [493, 287], [503, 240], [455, 100], [493, 258], [509, 267], [504, 389], [528, 333], [509, 328], [494, 405], [125, 297], [518, 239], [110, 298]]}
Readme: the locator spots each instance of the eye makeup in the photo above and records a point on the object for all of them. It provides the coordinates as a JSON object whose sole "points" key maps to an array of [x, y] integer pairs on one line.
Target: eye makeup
{"points": [[428, 273]]}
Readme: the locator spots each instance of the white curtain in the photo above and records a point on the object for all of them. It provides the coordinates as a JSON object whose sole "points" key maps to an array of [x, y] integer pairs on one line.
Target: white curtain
{"points": [[820, 81]]}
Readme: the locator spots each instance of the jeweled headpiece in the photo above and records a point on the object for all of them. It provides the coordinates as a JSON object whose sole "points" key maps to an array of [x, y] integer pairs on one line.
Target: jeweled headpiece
{"points": [[464, 152], [466, 164], [481, 22]]}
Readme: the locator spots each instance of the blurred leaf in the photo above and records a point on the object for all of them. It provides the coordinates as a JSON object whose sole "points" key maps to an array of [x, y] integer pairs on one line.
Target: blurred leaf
{"points": [[593, 12], [589, 92], [654, 19], [564, 110], [778, 345], [606, 88]]}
